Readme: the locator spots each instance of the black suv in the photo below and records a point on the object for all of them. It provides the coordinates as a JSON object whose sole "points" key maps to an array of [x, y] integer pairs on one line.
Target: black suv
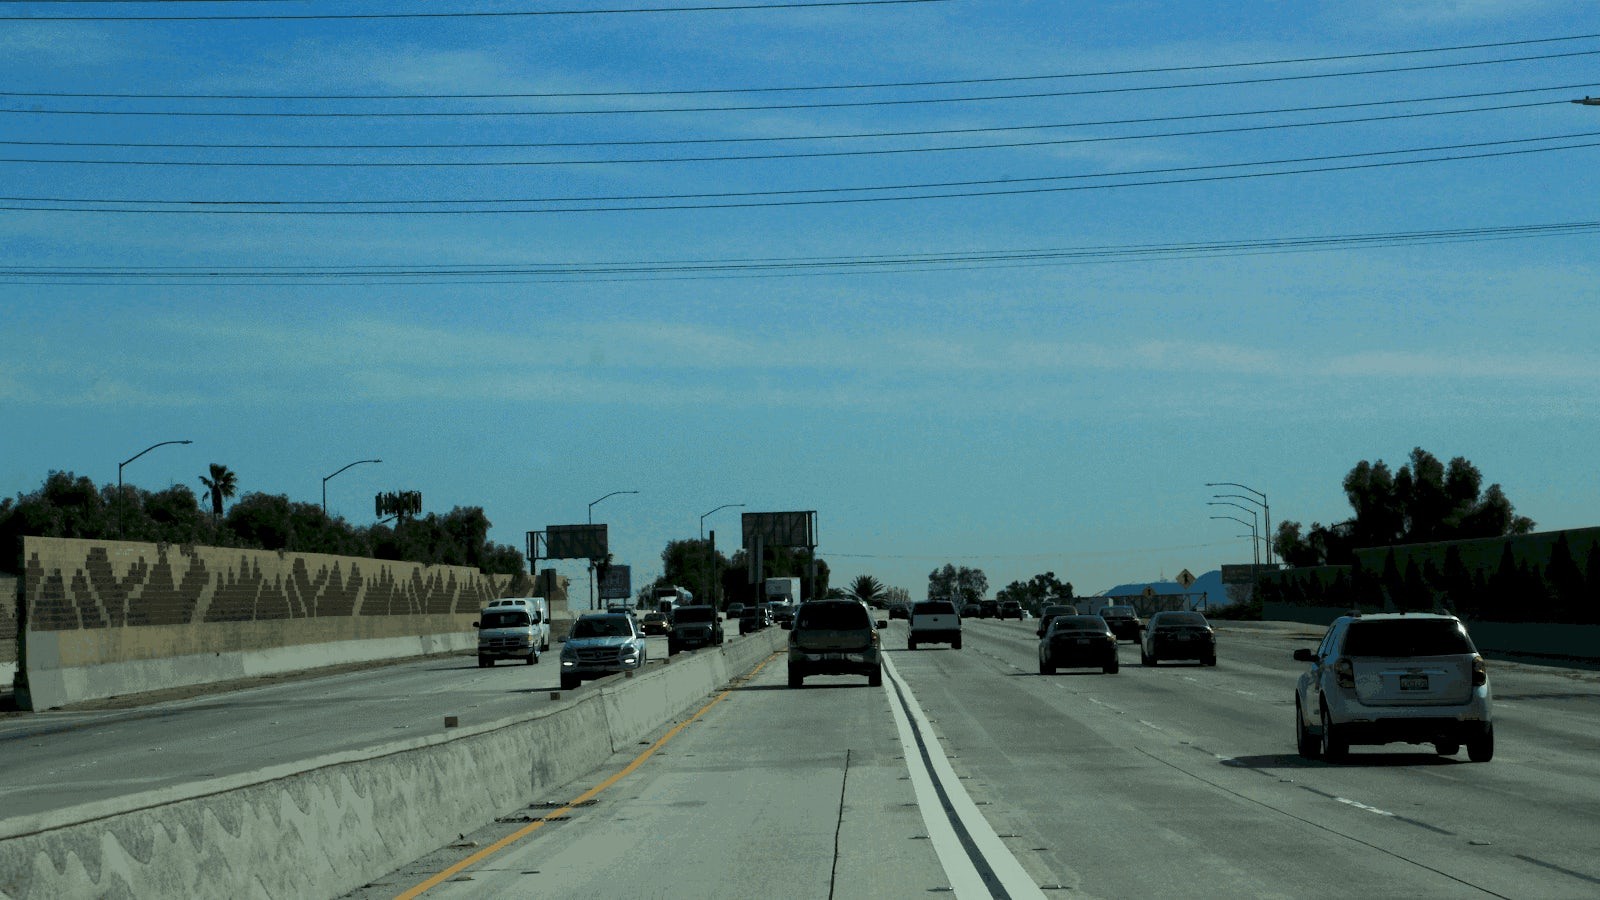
{"points": [[834, 637], [694, 626]]}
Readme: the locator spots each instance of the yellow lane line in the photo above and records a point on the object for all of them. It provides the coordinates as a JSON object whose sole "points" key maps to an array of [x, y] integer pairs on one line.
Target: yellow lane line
{"points": [[590, 794]]}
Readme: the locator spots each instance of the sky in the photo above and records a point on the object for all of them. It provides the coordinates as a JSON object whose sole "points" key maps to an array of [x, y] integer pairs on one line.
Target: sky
{"points": [[773, 256]]}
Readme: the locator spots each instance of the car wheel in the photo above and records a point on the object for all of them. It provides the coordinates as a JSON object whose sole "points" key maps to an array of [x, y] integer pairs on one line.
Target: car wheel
{"points": [[876, 678], [1146, 659], [1304, 741], [672, 649], [1209, 661], [569, 682], [1111, 668], [1446, 748], [1334, 745], [1046, 666], [911, 645], [533, 657], [796, 679], [1480, 748], [956, 645]]}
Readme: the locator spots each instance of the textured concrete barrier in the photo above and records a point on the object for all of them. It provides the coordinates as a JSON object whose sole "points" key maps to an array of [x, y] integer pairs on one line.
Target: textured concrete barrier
{"points": [[330, 825], [108, 618], [10, 592], [1534, 639]]}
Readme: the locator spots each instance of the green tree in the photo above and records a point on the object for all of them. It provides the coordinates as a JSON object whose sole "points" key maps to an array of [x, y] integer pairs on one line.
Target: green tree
{"points": [[963, 585], [866, 589], [222, 484]]}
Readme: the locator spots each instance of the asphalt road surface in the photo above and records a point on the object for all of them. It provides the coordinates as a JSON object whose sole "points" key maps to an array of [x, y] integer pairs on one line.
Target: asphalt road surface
{"points": [[969, 773]]}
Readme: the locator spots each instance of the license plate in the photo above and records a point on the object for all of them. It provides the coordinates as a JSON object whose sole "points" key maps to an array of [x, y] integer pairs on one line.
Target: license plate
{"points": [[833, 656], [1413, 682], [1082, 642]]}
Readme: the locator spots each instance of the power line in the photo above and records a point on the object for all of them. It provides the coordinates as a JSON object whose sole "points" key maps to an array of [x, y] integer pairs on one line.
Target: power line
{"points": [[801, 196], [548, 95], [772, 107], [483, 14], [928, 132], [820, 154], [430, 274]]}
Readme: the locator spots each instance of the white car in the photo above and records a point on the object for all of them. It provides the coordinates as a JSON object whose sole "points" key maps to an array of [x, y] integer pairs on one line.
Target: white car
{"points": [[934, 622], [1394, 677]]}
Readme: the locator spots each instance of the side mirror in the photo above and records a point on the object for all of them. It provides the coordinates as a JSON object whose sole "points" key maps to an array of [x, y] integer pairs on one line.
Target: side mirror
{"points": [[1304, 655], [883, 623], [475, 625]]}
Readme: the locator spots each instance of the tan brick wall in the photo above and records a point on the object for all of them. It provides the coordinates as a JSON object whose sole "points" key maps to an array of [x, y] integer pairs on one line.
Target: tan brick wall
{"points": [[10, 585], [73, 584]]}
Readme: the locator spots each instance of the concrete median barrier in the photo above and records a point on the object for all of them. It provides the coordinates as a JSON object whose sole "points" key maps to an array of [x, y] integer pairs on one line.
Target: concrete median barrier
{"points": [[329, 825]]}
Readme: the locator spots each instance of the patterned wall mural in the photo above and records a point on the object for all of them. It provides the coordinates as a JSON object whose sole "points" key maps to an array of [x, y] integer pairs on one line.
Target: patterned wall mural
{"points": [[74, 584]]}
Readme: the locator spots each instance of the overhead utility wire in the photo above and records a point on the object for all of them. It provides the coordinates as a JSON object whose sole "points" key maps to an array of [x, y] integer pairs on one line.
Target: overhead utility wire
{"points": [[751, 157], [929, 132], [277, 207], [501, 14], [426, 273], [551, 95], [838, 104]]}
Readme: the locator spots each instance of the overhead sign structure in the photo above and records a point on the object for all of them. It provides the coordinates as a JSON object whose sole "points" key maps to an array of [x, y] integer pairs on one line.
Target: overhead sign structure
{"points": [[398, 503], [780, 529], [616, 583], [1186, 578], [1246, 573], [575, 542]]}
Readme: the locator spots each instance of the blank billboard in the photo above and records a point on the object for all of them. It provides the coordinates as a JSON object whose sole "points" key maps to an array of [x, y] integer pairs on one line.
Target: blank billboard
{"points": [[575, 542], [781, 529]]}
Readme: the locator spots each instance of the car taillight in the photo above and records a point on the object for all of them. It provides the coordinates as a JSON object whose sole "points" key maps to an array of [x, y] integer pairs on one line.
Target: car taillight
{"points": [[1480, 672], [1345, 672], [874, 637]]}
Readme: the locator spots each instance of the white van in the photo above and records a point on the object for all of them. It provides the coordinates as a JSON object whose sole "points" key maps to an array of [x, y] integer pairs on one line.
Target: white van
{"points": [[513, 628]]}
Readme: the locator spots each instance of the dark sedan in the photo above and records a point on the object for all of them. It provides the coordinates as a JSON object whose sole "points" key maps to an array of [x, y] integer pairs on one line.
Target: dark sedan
{"points": [[1124, 622], [1078, 641], [1178, 635]]}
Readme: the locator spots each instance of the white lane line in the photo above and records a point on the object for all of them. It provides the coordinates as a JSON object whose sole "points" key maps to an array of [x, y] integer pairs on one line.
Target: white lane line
{"points": [[1362, 806], [958, 866], [1151, 725]]}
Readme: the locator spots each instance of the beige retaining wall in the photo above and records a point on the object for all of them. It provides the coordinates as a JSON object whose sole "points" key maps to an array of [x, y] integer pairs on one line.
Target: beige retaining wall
{"points": [[327, 826], [10, 589], [107, 618]]}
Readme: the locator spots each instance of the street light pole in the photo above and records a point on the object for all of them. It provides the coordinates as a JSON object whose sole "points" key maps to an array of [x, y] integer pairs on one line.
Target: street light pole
{"points": [[1255, 548], [1249, 509], [325, 482], [1266, 510], [711, 588], [591, 522], [120, 504]]}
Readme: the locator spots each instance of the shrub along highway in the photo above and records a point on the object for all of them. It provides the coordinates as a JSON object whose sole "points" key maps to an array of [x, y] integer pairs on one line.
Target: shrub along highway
{"points": [[966, 772]]}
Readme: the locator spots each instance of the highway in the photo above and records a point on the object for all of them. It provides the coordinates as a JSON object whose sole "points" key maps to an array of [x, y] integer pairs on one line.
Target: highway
{"points": [[1174, 781], [966, 773]]}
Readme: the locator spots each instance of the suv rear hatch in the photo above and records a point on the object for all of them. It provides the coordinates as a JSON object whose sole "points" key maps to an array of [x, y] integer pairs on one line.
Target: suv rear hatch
{"points": [[826, 626], [1424, 662]]}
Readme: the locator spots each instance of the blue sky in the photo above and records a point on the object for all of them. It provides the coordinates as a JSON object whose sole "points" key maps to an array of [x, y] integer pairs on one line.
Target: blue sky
{"points": [[1049, 412]]}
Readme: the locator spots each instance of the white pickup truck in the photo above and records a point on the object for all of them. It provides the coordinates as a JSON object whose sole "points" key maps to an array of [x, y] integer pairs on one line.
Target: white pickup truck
{"points": [[934, 622]]}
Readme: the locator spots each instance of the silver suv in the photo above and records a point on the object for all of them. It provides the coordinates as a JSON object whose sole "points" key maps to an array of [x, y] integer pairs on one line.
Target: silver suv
{"points": [[601, 644], [1379, 679]]}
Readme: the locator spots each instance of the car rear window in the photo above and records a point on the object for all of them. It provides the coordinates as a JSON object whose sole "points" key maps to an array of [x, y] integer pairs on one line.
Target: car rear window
{"points": [[832, 616], [933, 608], [1181, 618], [693, 614], [1399, 637], [1078, 623], [1112, 612]]}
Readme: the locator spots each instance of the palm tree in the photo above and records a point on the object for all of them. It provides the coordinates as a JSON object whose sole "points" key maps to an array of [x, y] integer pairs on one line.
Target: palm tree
{"points": [[866, 588], [222, 484]]}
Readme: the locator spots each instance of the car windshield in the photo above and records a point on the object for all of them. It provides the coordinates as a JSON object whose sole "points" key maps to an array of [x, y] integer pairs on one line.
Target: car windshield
{"points": [[1060, 611], [694, 614], [601, 626], [833, 616], [1181, 618], [934, 608], [1414, 637], [504, 618]]}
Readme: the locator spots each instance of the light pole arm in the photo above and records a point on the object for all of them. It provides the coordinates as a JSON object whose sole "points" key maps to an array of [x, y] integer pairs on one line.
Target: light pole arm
{"points": [[612, 494], [718, 509], [147, 450], [325, 481], [1266, 510]]}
